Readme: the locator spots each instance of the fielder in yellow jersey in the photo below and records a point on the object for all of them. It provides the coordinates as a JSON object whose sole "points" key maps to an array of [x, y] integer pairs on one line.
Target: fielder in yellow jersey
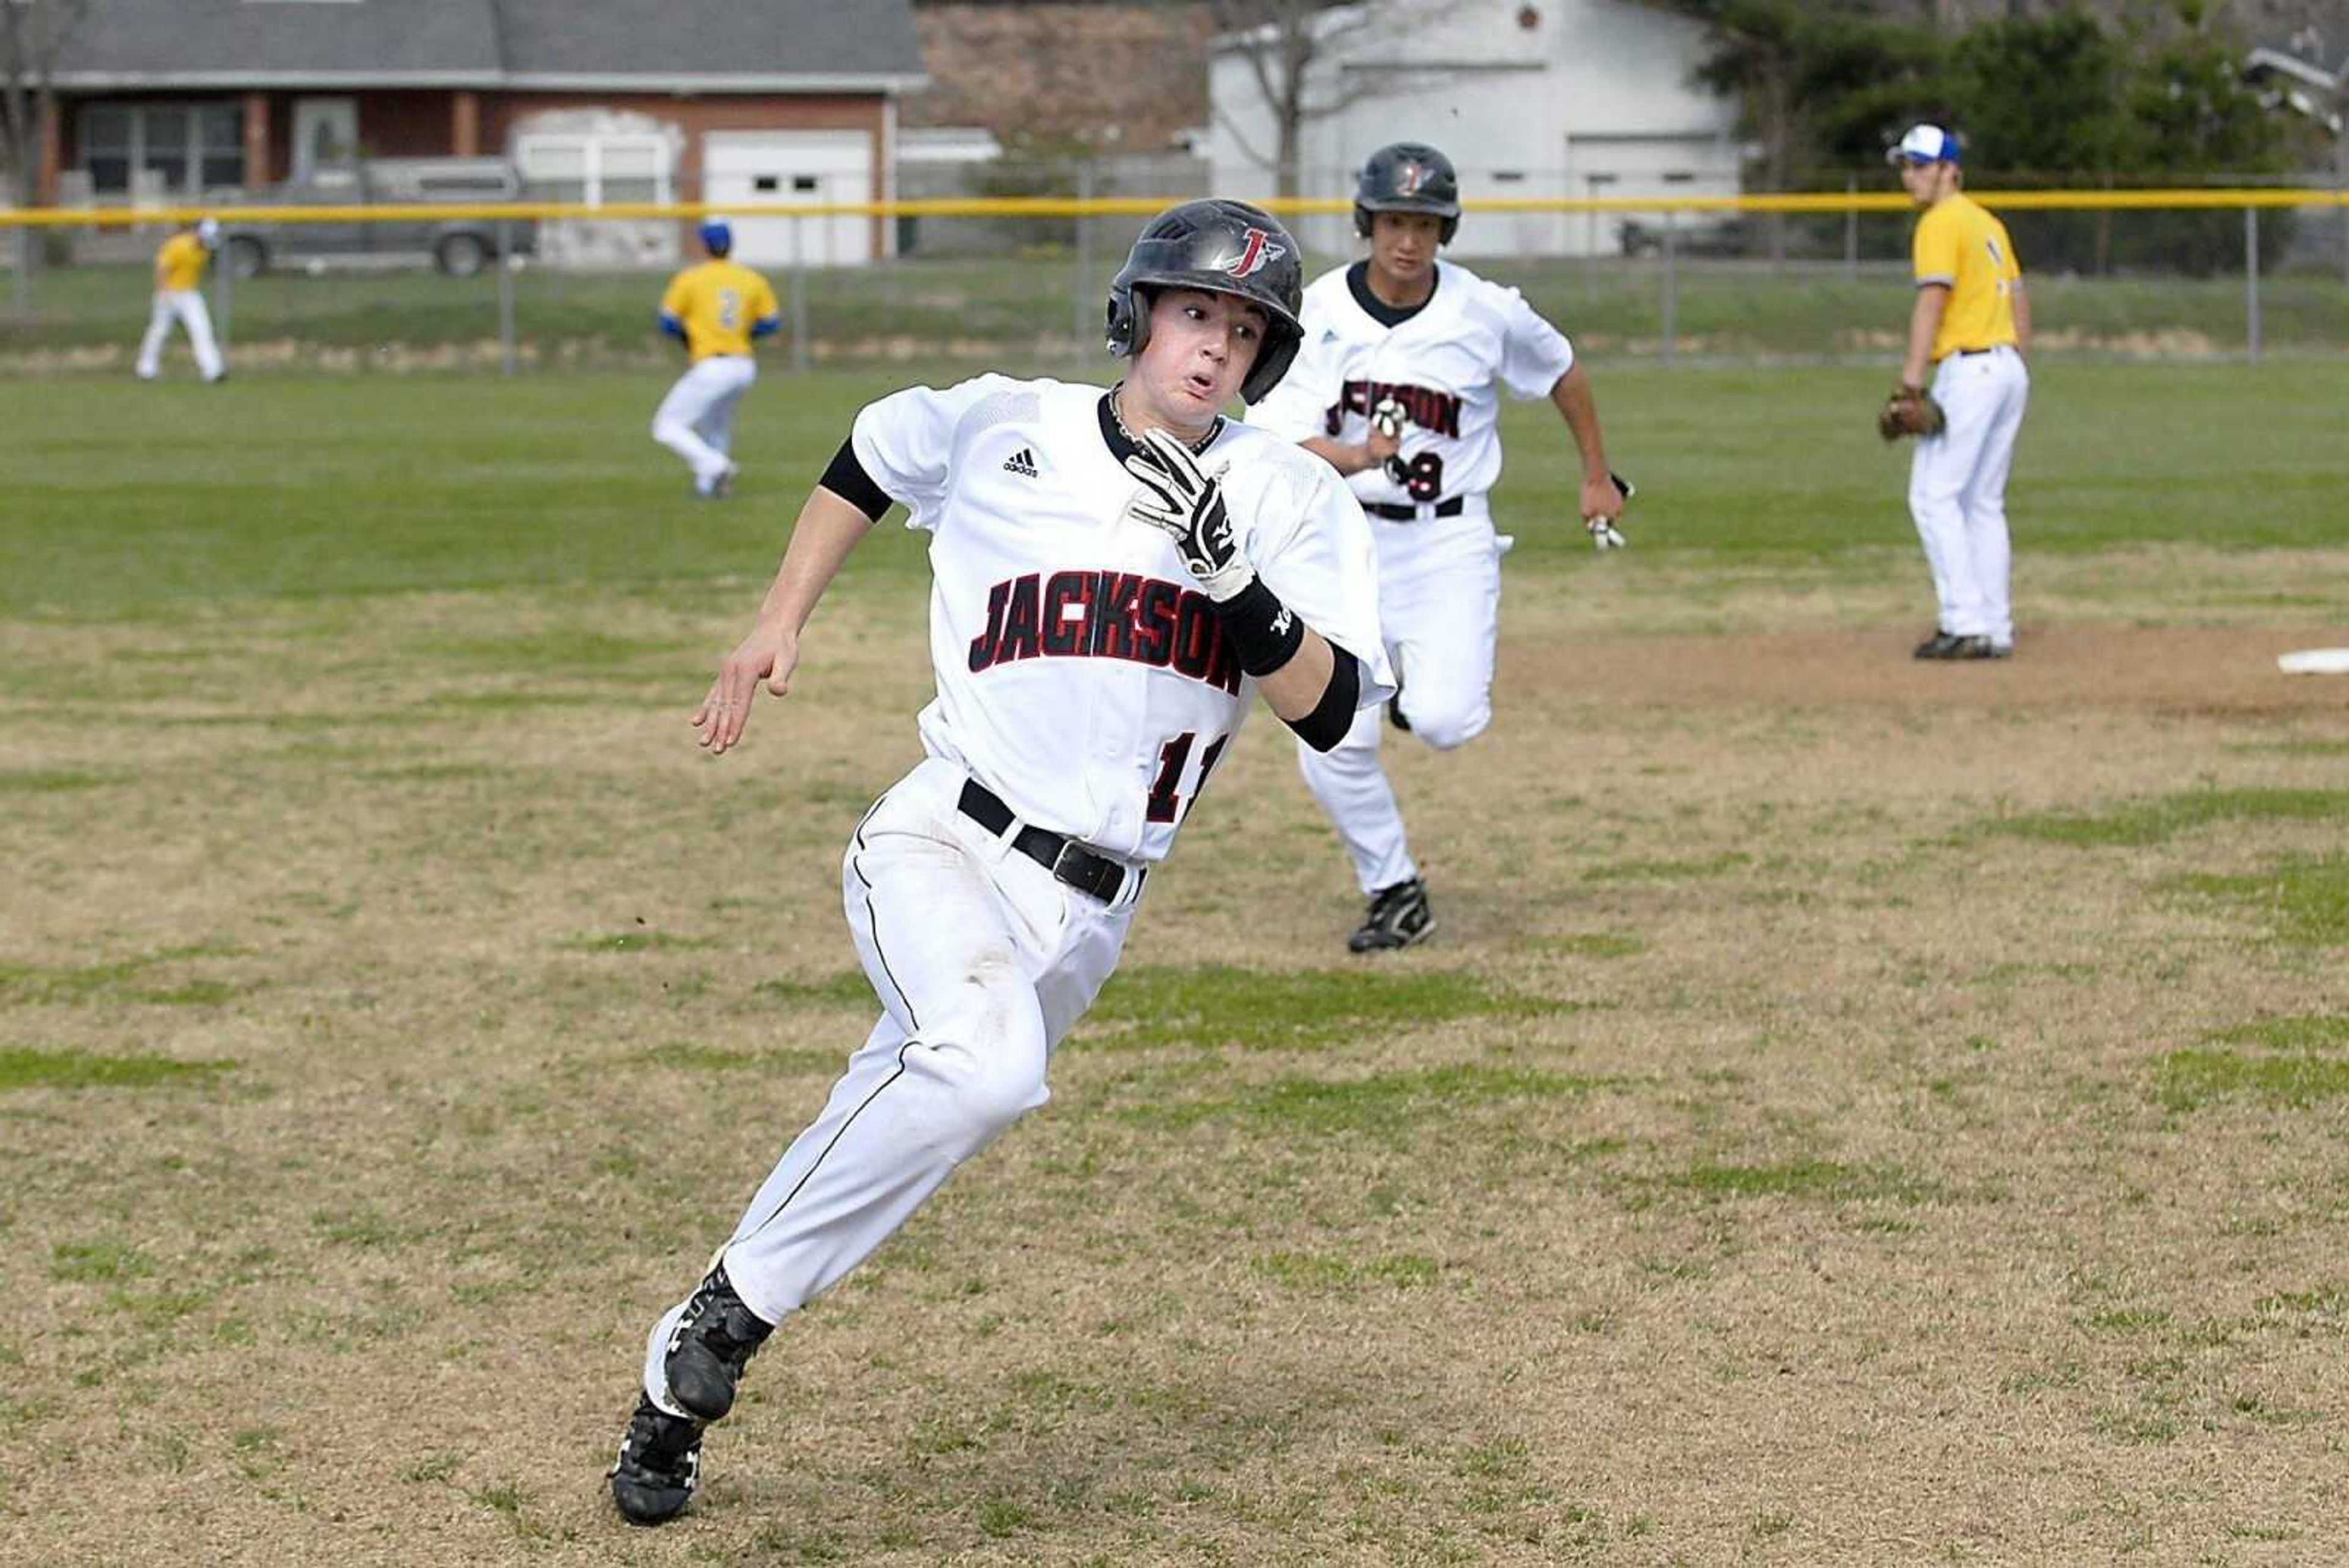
{"points": [[1972, 323], [718, 309], [1961, 245], [180, 264], [178, 297]]}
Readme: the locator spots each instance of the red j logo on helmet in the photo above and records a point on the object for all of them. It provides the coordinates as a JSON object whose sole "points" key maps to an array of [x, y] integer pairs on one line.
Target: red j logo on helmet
{"points": [[1257, 251]]}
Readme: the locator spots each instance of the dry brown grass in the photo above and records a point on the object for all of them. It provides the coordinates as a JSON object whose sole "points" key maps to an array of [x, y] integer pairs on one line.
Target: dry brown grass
{"points": [[1816, 1196]]}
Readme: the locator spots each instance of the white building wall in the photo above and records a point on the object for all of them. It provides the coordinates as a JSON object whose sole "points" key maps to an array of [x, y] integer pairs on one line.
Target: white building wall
{"points": [[1594, 99]]}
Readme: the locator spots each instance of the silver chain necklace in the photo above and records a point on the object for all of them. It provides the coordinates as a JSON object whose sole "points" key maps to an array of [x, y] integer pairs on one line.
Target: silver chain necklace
{"points": [[1198, 448]]}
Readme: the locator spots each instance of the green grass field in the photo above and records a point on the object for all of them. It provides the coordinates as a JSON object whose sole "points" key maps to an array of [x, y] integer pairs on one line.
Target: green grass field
{"points": [[1854, 1111], [1022, 307], [137, 496]]}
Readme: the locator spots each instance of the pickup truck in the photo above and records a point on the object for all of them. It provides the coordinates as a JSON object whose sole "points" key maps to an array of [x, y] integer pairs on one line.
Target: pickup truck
{"points": [[458, 246]]}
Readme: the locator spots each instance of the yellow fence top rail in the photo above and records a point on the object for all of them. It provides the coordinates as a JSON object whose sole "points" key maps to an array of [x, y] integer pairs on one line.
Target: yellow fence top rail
{"points": [[1143, 207]]}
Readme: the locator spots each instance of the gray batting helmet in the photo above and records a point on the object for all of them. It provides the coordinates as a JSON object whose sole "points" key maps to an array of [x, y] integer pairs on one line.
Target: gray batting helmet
{"points": [[1408, 177], [1222, 247]]}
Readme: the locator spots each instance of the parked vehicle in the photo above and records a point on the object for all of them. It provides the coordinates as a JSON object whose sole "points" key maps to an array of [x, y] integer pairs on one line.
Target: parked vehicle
{"points": [[1695, 234], [458, 246]]}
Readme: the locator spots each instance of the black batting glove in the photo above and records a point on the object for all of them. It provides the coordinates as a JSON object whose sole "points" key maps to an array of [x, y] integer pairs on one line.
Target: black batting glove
{"points": [[1185, 503]]}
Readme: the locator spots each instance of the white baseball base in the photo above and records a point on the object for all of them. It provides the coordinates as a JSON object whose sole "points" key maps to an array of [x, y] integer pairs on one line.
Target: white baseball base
{"points": [[2315, 662]]}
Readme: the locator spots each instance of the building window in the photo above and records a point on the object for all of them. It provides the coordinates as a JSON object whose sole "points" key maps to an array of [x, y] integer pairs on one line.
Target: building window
{"points": [[180, 148], [591, 168]]}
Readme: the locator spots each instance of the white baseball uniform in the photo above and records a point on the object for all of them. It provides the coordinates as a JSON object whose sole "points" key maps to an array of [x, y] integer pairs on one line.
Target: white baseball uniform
{"points": [[1446, 361], [185, 306], [178, 297], [1956, 481], [696, 418], [1086, 691], [1957, 489]]}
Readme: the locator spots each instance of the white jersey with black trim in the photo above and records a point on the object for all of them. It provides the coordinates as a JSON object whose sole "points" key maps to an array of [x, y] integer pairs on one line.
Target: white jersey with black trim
{"points": [[1082, 675], [1445, 362]]}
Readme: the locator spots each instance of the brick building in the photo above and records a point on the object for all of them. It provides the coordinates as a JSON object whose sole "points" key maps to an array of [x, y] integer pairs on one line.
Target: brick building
{"points": [[196, 100], [1099, 76]]}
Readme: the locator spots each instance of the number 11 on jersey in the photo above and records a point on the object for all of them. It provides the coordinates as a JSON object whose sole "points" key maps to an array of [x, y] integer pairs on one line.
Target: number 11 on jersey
{"points": [[1165, 791]]}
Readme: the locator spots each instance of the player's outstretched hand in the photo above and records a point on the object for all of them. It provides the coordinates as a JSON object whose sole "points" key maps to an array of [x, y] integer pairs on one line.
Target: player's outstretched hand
{"points": [[1185, 503], [1602, 503], [764, 656]]}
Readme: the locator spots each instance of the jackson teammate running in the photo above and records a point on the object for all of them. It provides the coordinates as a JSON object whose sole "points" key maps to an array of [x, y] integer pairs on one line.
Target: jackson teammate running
{"points": [[1973, 321], [717, 310], [1398, 385], [1115, 573]]}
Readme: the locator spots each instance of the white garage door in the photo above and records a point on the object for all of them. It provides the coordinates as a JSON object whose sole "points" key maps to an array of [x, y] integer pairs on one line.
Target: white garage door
{"points": [[746, 169]]}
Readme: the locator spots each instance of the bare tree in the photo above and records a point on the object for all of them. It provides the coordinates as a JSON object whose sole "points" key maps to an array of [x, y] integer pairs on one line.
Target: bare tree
{"points": [[33, 35], [1280, 41]]}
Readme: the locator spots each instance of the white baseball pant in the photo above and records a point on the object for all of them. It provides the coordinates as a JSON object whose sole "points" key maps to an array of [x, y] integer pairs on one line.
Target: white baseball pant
{"points": [[1440, 609], [982, 960], [186, 307], [1957, 490], [696, 420]]}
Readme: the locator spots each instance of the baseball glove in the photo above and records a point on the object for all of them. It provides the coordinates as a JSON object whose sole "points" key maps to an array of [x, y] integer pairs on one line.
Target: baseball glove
{"points": [[1910, 411]]}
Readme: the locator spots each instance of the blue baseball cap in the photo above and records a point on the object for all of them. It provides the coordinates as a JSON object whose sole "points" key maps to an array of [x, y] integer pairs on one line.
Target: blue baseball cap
{"points": [[718, 237], [1924, 144]]}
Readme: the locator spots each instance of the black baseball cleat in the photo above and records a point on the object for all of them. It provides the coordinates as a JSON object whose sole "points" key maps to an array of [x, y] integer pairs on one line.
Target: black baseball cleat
{"points": [[1944, 645], [711, 1346], [1399, 916], [659, 1463]]}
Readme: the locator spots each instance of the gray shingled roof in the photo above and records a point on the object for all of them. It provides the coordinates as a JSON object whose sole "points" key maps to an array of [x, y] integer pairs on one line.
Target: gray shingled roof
{"points": [[703, 43], [166, 40], [702, 37]]}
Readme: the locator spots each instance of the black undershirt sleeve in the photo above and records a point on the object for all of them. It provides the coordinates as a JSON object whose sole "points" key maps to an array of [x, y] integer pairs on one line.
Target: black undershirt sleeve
{"points": [[1332, 716], [846, 478]]}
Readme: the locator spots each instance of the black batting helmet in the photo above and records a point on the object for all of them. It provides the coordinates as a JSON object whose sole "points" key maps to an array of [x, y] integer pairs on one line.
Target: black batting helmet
{"points": [[1408, 177], [1222, 247]]}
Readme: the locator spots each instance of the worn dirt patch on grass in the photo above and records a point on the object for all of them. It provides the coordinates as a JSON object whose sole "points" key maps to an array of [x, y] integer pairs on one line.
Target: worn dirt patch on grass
{"points": [[2211, 671]]}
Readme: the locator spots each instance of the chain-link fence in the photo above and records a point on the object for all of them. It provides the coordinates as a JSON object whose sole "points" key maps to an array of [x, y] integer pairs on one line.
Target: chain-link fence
{"points": [[1009, 264]]}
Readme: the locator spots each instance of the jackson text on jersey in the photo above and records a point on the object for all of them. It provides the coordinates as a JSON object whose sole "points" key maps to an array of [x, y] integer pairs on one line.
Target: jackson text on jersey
{"points": [[1106, 615], [1424, 406]]}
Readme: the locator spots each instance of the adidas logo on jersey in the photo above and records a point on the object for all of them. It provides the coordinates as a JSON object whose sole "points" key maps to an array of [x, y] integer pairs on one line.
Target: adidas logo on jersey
{"points": [[1022, 462]]}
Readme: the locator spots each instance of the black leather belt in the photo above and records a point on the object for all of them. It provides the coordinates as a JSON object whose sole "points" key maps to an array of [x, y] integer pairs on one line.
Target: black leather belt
{"points": [[1969, 353], [1394, 513], [1071, 862]]}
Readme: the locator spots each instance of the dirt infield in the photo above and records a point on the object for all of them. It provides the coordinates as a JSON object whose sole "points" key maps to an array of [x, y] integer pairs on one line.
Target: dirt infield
{"points": [[2209, 670], [1854, 1111]]}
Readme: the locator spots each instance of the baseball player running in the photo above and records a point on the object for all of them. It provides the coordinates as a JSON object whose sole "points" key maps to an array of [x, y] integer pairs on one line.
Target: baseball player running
{"points": [[717, 309], [178, 297], [1398, 386], [1973, 322], [1114, 573]]}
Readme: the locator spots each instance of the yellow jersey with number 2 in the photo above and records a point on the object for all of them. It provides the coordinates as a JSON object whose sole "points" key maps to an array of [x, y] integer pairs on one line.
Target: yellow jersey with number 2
{"points": [[718, 303], [180, 264], [1959, 244]]}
